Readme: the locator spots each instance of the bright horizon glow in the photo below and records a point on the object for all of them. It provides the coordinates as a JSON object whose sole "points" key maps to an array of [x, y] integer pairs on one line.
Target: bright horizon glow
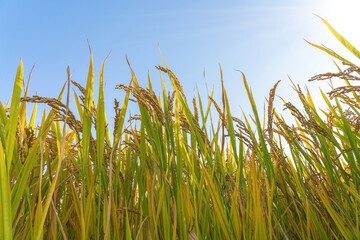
{"points": [[345, 15]]}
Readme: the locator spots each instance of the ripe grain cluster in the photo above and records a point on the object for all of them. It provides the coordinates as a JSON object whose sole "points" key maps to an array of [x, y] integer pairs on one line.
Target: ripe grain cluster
{"points": [[173, 172]]}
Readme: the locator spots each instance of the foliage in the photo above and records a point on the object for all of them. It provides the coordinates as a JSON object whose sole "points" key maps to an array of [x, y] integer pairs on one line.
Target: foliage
{"points": [[167, 178]]}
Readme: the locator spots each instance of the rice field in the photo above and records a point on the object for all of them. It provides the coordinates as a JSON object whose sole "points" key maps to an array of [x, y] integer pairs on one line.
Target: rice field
{"points": [[172, 171]]}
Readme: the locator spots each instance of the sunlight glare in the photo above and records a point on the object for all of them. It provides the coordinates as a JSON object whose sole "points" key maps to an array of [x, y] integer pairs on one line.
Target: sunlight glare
{"points": [[344, 16]]}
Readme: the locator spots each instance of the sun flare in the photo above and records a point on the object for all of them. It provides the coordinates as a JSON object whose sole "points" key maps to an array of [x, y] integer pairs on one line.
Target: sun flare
{"points": [[344, 15]]}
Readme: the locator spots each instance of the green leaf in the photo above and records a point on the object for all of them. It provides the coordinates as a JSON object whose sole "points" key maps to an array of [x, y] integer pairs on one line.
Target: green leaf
{"points": [[5, 199], [339, 37], [331, 52], [14, 114]]}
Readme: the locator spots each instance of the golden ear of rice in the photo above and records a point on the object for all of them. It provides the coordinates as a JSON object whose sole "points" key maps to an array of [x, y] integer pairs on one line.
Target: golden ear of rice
{"points": [[175, 172]]}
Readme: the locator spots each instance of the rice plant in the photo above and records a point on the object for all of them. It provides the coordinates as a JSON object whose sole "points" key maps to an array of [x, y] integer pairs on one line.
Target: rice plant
{"points": [[173, 172]]}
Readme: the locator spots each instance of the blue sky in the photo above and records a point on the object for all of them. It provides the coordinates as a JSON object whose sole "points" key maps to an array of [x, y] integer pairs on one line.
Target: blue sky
{"points": [[264, 39]]}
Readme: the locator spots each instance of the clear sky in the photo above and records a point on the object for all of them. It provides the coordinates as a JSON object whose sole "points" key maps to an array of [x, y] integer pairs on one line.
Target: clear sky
{"points": [[264, 39]]}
